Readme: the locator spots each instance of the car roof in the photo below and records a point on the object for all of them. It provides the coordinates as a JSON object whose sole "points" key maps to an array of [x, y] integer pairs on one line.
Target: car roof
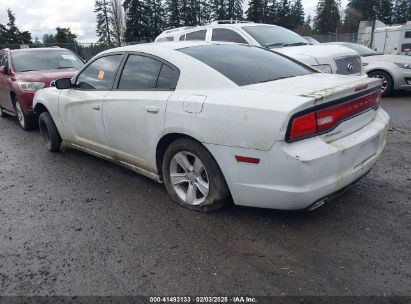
{"points": [[185, 29], [39, 49], [172, 45]]}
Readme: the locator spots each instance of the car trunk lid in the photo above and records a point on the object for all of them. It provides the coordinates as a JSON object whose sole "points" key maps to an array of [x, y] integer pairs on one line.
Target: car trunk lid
{"points": [[325, 91]]}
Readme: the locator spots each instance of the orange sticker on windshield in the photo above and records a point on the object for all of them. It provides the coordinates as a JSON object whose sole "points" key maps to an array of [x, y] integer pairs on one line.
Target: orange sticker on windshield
{"points": [[100, 75]]}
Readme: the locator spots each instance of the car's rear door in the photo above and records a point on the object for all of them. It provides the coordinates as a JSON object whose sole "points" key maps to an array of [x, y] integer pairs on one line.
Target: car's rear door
{"points": [[81, 107], [134, 110]]}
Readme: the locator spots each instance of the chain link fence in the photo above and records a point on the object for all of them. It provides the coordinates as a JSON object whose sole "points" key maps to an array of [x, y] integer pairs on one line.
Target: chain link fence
{"points": [[352, 37]]}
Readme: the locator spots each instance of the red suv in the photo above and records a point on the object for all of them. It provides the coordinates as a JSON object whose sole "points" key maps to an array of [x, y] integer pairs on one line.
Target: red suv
{"points": [[25, 71]]}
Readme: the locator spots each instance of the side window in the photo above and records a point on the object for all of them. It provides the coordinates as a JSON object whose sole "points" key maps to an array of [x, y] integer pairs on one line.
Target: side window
{"points": [[221, 34], [407, 34], [163, 39], [182, 37], [140, 73], [167, 78], [197, 35], [100, 74]]}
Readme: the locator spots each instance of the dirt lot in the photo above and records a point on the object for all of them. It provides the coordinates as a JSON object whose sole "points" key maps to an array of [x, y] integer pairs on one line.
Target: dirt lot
{"points": [[72, 224]]}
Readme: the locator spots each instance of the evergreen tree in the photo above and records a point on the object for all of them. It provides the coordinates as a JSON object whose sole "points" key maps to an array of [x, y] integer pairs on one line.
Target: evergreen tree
{"points": [[206, 13], [297, 14], [137, 21], [235, 9], [327, 19], [402, 11], [64, 36], [383, 10], [255, 11], [365, 7], [219, 9], [48, 39], [104, 12], [3, 31], [271, 12], [12, 34], [173, 13], [157, 20], [284, 14]]}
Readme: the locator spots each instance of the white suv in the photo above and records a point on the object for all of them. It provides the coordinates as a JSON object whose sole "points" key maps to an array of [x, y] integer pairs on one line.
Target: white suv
{"points": [[325, 58]]}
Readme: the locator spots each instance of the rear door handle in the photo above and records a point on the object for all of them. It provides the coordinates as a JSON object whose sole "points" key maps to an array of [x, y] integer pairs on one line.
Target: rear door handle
{"points": [[97, 108], [152, 109]]}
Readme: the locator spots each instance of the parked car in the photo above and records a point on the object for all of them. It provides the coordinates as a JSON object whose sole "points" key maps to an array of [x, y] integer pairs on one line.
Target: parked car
{"points": [[325, 58], [25, 71], [393, 70], [311, 40], [271, 132]]}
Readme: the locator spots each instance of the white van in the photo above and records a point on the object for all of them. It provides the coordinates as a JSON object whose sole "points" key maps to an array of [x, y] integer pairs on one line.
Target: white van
{"points": [[325, 58]]}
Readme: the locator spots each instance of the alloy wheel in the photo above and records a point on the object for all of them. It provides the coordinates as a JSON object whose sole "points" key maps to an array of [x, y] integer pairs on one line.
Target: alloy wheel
{"points": [[189, 178], [20, 114], [384, 84]]}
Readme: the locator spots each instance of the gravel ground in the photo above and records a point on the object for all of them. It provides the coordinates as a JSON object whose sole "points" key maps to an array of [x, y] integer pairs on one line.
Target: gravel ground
{"points": [[72, 224]]}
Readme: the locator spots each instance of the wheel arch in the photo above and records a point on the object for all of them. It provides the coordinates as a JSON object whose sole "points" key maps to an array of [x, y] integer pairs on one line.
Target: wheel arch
{"points": [[163, 144], [40, 108], [167, 140], [13, 95], [381, 70]]}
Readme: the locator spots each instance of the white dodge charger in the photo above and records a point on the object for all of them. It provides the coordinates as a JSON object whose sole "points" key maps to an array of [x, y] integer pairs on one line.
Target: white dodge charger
{"points": [[218, 120]]}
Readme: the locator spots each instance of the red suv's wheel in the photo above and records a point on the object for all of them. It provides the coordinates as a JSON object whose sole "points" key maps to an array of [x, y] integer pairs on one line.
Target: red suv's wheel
{"points": [[26, 122]]}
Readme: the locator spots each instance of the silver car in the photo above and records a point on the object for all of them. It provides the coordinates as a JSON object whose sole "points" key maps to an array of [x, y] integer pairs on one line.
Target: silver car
{"points": [[393, 70]]}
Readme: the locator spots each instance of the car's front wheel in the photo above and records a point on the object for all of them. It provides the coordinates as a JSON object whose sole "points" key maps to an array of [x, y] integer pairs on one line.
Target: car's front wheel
{"points": [[27, 122], [192, 177], [387, 84], [49, 132]]}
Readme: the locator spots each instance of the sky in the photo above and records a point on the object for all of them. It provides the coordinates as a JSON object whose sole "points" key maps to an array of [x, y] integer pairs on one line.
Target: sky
{"points": [[43, 16]]}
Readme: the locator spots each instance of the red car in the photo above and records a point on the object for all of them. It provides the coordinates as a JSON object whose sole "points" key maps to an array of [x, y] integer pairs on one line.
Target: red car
{"points": [[25, 71]]}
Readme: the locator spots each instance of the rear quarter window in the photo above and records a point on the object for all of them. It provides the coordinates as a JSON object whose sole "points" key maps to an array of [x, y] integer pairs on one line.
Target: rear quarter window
{"points": [[246, 65]]}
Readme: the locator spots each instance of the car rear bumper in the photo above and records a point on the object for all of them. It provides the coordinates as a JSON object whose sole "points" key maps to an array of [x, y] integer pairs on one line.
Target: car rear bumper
{"points": [[293, 176]]}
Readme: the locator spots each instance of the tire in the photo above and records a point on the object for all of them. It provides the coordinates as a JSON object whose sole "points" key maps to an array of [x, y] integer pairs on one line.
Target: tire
{"points": [[27, 122], [387, 82], [49, 132], [197, 185]]}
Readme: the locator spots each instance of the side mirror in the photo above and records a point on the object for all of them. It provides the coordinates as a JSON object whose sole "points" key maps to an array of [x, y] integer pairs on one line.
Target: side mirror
{"points": [[63, 84], [3, 70]]}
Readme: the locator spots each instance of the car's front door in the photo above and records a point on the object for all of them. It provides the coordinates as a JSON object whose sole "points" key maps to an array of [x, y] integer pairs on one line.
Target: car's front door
{"points": [[5, 97], [134, 110], [81, 107]]}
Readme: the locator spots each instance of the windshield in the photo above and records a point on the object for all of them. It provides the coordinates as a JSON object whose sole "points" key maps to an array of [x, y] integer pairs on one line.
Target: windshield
{"points": [[274, 36], [246, 65], [360, 49], [39, 60]]}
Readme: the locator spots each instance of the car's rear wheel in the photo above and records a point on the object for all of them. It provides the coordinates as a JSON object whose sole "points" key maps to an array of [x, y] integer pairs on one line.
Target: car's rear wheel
{"points": [[49, 132], [192, 177], [387, 84], [27, 122]]}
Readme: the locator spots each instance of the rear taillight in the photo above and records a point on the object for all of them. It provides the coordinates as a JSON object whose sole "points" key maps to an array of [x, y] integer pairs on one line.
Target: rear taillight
{"points": [[325, 118]]}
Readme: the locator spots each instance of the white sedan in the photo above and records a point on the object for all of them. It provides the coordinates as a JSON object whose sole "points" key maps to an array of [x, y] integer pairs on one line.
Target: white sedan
{"points": [[254, 125]]}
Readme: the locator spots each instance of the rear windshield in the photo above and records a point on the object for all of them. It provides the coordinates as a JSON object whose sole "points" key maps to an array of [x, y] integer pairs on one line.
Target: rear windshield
{"points": [[39, 60], [246, 65]]}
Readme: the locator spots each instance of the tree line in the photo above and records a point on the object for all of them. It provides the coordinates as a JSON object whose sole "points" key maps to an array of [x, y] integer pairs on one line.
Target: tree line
{"points": [[126, 21]]}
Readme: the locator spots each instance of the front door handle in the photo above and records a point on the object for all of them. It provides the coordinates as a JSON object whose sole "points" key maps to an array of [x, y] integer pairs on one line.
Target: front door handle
{"points": [[97, 108], [152, 109]]}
